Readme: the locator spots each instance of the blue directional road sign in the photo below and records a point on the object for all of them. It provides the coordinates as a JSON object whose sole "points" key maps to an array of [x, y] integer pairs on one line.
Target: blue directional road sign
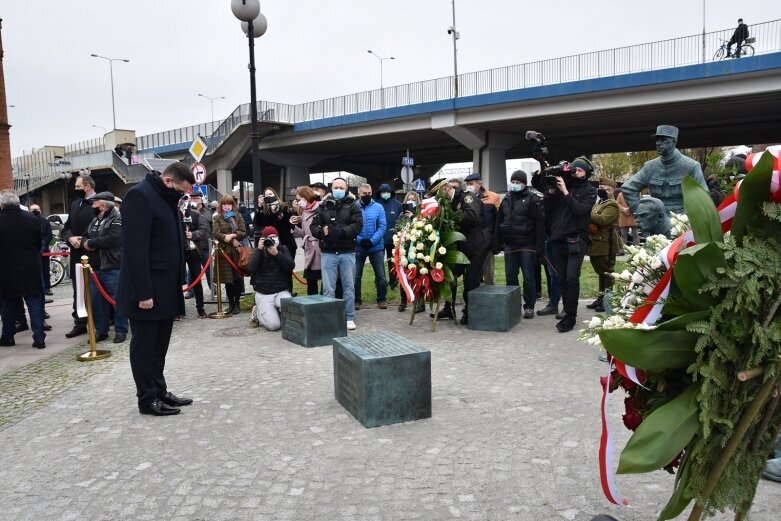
{"points": [[200, 189], [420, 186]]}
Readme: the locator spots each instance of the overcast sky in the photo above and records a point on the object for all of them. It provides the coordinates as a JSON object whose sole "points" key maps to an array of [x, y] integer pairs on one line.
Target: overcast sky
{"points": [[313, 49]]}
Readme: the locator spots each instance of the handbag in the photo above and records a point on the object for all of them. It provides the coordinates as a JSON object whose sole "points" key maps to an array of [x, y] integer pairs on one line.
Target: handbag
{"points": [[244, 254]]}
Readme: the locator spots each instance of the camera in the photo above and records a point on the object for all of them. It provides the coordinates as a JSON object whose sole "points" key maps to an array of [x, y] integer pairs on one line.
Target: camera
{"points": [[268, 243], [540, 151], [563, 169], [329, 204]]}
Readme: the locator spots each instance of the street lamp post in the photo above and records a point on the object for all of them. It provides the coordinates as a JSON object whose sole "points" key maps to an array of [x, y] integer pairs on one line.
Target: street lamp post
{"points": [[211, 100], [452, 31], [101, 128], [254, 24], [111, 69], [382, 88]]}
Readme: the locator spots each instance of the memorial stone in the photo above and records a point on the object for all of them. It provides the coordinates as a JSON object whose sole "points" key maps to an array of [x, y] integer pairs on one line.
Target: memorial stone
{"points": [[494, 308], [382, 378], [313, 320]]}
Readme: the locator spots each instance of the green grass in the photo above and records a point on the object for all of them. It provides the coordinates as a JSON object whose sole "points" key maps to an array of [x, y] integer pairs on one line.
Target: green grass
{"points": [[589, 285]]}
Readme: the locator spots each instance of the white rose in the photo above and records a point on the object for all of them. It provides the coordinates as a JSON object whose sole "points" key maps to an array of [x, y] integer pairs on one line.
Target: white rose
{"points": [[637, 278], [427, 258], [404, 261], [420, 255], [428, 228], [419, 224], [595, 323], [423, 271], [442, 250], [655, 263], [432, 237], [625, 275], [438, 265]]}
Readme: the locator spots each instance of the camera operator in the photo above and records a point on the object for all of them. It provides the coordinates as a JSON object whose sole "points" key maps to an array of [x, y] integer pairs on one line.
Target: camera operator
{"points": [[196, 239], [270, 265], [568, 201]]}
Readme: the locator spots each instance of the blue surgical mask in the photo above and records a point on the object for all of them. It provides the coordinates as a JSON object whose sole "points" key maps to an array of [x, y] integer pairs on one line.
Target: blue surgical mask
{"points": [[516, 187], [338, 193], [385, 195]]}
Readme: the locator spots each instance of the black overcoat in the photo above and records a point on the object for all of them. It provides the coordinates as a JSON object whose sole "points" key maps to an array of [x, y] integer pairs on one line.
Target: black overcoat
{"points": [[20, 261], [152, 253]]}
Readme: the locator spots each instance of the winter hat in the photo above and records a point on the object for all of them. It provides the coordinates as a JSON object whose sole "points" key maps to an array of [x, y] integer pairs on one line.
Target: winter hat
{"points": [[584, 163], [385, 187], [269, 230], [519, 175]]}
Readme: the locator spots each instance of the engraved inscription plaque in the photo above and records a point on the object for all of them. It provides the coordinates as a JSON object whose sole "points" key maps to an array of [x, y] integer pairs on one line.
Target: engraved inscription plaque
{"points": [[494, 308], [382, 378], [313, 320]]}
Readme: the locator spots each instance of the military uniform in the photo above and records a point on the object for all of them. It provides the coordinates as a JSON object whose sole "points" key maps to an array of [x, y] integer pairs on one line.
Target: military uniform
{"points": [[605, 243]]}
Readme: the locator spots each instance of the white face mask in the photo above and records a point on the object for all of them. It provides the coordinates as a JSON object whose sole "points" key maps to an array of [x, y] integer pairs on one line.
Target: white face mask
{"points": [[471, 189]]}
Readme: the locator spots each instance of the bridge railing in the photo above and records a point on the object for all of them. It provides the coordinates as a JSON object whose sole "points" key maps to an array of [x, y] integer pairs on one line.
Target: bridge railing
{"points": [[676, 52]]}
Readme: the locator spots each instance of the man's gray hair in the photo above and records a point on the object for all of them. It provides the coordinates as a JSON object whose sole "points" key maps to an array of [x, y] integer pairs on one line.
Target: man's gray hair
{"points": [[8, 198], [456, 180], [109, 205], [364, 186]]}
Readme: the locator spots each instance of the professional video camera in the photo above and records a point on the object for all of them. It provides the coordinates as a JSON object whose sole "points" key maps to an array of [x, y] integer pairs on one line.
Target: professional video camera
{"points": [[563, 169], [540, 151]]}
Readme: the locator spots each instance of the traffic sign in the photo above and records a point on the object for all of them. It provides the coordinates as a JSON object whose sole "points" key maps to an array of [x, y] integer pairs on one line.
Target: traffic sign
{"points": [[203, 190], [407, 161], [407, 174], [199, 171], [198, 148], [420, 185]]}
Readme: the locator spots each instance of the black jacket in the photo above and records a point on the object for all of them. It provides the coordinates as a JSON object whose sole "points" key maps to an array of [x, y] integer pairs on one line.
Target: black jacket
{"points": [[341, 215], [46, 230], [472, 224], [569, 215], [271, 273], [79, 218], [154, 260], [105, 235], [20, 261], [521, 221], [197, 226]]}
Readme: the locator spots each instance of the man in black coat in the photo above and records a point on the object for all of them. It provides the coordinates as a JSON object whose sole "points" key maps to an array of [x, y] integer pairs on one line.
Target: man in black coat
{"points": [[46, 228], [79, 218], [150, 278], [20, 269], [738, 37]]}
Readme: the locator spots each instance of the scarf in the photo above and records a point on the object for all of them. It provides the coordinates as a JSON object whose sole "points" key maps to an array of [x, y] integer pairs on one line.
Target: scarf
{"points": [[230, 217]]}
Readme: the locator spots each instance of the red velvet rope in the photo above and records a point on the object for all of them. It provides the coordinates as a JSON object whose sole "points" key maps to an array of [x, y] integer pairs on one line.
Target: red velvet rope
{"points": [[200, 275], [243, 274], [102, 291], [55, 254]]}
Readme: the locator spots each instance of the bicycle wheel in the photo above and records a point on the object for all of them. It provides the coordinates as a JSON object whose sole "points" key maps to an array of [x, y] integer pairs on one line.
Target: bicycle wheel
{"points": [[719, 54], [747, 50], [56, 271]]}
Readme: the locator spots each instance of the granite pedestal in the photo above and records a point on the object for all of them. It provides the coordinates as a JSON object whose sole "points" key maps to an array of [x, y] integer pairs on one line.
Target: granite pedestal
{"points": [[382, 378], [494, 308], [313, 320]]}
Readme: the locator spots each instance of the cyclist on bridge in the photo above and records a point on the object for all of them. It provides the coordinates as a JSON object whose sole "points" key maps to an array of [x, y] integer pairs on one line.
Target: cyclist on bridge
{"points": [[738, 37]]}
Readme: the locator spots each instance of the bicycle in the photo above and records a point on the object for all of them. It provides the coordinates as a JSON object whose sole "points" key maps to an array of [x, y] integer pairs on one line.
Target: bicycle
{"points": [[59, 264], [745, 50]]}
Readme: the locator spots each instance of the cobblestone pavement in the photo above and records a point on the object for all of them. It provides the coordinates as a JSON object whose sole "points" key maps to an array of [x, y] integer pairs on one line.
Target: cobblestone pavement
{"points": [[513, 435]]}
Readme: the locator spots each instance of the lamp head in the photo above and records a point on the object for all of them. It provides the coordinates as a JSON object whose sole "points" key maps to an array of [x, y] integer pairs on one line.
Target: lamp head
{"points": [[245, 10], [259, 26]]}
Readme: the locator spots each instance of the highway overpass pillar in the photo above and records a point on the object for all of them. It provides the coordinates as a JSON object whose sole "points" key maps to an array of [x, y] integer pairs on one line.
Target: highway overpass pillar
{"points": [[490, 159], [296, 176], [225, 181]]}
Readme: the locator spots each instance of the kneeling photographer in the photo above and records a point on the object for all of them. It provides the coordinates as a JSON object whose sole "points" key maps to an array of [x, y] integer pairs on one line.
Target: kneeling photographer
{"points": [[270, 266], [568, 201]]}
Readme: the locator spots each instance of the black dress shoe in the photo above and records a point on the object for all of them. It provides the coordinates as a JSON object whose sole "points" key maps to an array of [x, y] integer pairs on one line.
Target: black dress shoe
{"points": [[46, 327], [464, 320], [528, 313], [600, 308], [119, 338], [39, 345], [76, 331], [101, 338], [21, 327], [593, 304], [46, 315], [548, 310], [445, 314], [7, 342], [171, 399], [48, 301], [202, 313], [402, 307], [562, 315], [566, 324], [158, 408], [49, 293]]}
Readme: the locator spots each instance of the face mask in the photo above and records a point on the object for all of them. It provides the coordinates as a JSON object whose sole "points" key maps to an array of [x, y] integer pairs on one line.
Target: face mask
{"points": [[471, 189], [226, 208], [602, 193], [385, 195], [338, 194], [269, 199], [96, 211], [37, 213], [516, 187], [366, 199], [409, 206]]}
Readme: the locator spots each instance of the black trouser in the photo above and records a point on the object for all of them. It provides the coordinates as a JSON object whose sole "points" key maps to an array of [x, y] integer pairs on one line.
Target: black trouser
{"points": [[193, 260], [148, 347], [473, 273], [45, 270], [569, 259]]}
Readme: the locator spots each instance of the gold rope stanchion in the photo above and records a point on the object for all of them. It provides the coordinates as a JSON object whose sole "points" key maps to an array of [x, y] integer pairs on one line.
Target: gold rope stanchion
{"points": [[93, 354], [217, 253]]}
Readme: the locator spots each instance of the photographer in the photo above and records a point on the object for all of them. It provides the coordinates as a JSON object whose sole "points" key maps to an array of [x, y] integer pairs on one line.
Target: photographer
{"points": [[568, 201], [196, 239], [270, 266]]}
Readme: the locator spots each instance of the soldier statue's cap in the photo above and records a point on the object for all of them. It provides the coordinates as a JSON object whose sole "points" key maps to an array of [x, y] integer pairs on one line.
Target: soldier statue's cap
{"points": [[607, 182], [667, 131], [104, 196], [474, 176]]}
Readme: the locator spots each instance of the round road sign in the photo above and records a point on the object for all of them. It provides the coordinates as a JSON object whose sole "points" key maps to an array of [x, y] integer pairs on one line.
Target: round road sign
{"points": [[199, 171]]}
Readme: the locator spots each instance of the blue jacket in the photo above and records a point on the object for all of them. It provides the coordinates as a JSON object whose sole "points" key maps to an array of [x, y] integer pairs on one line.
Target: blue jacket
{"points": [[373, 227], [393, 209]]}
